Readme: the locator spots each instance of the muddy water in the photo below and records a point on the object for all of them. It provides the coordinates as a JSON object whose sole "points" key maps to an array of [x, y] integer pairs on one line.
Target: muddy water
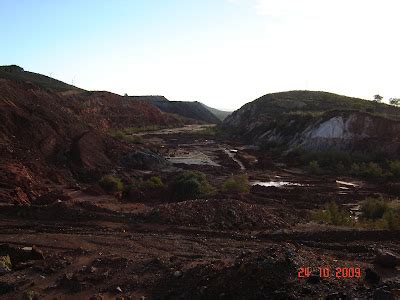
{"points": [[193, 158], [277, 184]]}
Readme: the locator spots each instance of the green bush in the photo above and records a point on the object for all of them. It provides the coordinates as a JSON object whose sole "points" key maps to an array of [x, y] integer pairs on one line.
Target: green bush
{"points": [[127, 137], [378, 213], [355, 169], [152, 183], [190, 184], [237, 184], [394, 167], [333, 215], [314, 168], [111, 183], [391, 220], [374, 208], [371, 170], [367, 170]]}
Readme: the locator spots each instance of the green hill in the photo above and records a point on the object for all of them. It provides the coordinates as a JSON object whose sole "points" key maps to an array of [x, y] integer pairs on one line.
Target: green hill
{"points": [[318, 121], [316, 102]]}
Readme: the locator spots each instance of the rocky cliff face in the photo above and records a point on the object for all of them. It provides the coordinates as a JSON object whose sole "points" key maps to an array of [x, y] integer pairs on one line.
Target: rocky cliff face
{"points": [[349, 130]]}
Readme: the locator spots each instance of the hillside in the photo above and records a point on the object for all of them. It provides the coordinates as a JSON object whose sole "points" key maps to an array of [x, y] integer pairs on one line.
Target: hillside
{"points": [[17, 73], [317, 120], [51, 137], [191, 110], [220, 114]]}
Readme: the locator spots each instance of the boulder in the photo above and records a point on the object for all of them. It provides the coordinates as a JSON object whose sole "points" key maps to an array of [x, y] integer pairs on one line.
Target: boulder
{"points": [[383, 293], [144, 159], [371, 276], [386, 259]]}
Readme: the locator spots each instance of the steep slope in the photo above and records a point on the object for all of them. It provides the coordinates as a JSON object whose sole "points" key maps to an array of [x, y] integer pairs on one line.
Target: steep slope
{"points": [[17, 73], [317, 120], [105, 110], [49, 137], [191, 110]]}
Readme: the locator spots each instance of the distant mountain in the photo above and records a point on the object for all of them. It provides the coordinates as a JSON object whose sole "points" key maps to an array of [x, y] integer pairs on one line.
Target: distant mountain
{"points": [[192, 110], [17, 73], [220, 114], [318, 121]]}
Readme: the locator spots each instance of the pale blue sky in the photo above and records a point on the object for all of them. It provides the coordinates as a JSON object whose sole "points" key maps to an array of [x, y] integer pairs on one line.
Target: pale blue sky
{"points": [[221, 52]]}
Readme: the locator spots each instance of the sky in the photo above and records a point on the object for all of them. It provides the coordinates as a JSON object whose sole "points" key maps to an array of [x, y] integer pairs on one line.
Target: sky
{"points": [[223, 53]]}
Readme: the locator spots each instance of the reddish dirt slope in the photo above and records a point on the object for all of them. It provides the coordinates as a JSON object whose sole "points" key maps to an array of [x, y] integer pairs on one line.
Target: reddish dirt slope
{"points": [[49, 137], [106, 110]]}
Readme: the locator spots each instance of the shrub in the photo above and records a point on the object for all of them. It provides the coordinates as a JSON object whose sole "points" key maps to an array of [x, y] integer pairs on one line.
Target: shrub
{"points": [[127, 137], [237, 184], [371, 170], [111, 183], [367, 170], [340, 168], [355, 169], [394, 167], [153, 182], [190, 184], [374, 208], [333, 215], [391, 220], [314, 168]]}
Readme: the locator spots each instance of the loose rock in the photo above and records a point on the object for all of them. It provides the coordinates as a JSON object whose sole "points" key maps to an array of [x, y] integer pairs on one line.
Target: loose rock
{"points": [[386, 259]]}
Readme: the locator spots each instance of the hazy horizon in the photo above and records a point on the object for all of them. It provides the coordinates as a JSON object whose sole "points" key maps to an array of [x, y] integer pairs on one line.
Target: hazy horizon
{"points": [[223, 53]]}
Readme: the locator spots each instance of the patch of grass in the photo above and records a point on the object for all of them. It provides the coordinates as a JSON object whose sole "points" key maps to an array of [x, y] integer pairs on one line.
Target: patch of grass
{"points": [[111, 183], [394, 168], [333, 215], [380, 213], [209, 130], [191, 184], [153, 183], [314, 168], [237, 184], [375, 213], [121, 135], [374, 208], [369, 170], [144, 128], [368, 166]]}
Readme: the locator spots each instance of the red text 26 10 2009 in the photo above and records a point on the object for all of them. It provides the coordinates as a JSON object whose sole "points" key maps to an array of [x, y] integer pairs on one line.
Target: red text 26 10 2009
{"points": [[324, 272]]}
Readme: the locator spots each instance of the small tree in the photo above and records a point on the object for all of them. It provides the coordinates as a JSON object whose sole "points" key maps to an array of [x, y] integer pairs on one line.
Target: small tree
{"points": [[111, 183], [394, 101], [378, 98], [237, 184], [190, 184]]}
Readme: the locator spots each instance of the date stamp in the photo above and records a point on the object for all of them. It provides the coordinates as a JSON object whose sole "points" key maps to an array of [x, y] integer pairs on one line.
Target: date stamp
{"points": [[326, 272]]}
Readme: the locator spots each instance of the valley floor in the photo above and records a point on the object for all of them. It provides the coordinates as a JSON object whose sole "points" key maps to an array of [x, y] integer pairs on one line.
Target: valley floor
{"points": [[228, 247]]}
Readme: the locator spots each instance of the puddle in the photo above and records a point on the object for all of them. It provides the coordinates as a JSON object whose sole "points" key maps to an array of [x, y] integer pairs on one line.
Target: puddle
{"points": [[193, 158], [277, 184], [347, 183]]}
